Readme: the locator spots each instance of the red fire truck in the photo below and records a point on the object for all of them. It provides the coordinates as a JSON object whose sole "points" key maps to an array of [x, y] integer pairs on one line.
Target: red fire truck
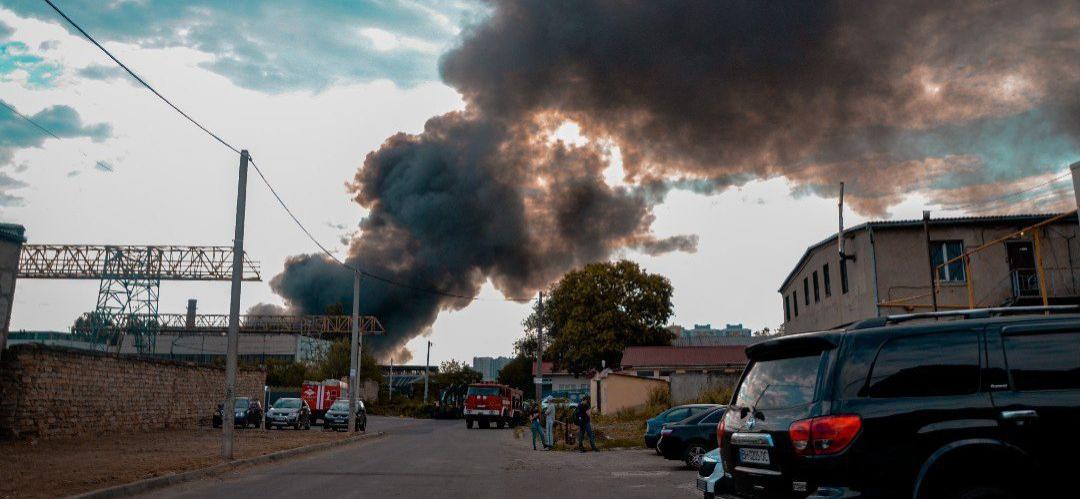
{"points": [[487, 403], [320, 395]]}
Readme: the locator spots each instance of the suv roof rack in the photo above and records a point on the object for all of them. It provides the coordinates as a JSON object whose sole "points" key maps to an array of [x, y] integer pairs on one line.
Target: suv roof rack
{"points": [[975, 313]]}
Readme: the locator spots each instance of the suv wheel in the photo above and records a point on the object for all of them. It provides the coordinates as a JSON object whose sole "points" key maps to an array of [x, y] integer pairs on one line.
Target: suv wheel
{"points": [[695, 451]]}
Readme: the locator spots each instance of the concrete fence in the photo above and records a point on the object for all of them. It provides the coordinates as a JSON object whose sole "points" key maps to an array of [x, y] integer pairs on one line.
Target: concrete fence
{"points": [[48, 391], [686, 387]]}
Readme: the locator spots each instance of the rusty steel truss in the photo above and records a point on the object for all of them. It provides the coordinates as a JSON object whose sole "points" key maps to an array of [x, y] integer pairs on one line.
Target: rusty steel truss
{"points": [[162, 263], [130, 278]]}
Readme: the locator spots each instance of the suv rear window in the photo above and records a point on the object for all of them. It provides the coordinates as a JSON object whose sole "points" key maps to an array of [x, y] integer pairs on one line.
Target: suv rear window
{"points": [[939, 364], [1044, 361], [780, 383]]}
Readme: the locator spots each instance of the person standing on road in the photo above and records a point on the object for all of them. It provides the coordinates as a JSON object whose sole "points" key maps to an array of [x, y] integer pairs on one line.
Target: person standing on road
{"points": [[549, 426], [537, 430], [581, 416]]}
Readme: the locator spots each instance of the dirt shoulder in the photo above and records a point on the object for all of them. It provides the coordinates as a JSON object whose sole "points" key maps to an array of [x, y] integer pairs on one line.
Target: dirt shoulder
{"points": [[56, 468]]}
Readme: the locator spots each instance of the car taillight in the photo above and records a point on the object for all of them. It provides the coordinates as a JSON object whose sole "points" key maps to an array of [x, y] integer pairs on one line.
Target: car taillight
{"points": [[720, 432], [825, 435]]}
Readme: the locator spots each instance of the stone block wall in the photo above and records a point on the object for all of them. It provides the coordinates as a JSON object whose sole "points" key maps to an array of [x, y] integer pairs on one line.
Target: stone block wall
{"points": [[50, 391]]}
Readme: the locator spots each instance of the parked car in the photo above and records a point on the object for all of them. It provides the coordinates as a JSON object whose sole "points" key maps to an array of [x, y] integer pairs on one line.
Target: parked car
{"points": [[711, 479], [293, 412], [337, 417], [689, 439], [984, 405], [248, 413], [673, 415]]}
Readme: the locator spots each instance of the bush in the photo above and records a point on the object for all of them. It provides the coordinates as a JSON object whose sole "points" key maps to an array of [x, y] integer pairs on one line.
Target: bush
{"points": [[714, 395]]}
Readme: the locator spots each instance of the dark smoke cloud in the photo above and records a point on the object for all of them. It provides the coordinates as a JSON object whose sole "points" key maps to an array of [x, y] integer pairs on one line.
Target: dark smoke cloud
{"points": [[892, 97]]}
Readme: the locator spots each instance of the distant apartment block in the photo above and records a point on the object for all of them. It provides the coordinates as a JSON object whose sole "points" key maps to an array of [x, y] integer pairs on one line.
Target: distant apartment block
{"points": [[887, 269], [489, 367], [704, 335]]}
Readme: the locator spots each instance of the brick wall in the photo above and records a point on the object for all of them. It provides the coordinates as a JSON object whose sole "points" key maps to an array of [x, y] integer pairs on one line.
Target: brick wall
{"points": [[52, 391]]}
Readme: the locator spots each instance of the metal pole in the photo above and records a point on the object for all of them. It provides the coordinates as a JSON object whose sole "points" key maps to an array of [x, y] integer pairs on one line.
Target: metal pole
{"points": [[354, 354], [427, 364], [1039, 272], [229, 410], [930, 259], [390, 385], [540, 349]]}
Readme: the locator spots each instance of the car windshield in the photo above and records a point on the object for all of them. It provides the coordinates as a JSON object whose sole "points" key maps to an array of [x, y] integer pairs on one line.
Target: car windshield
{"points": [[287, 404], [483, 390], [779, 383], [243, 403], [340, 405]]}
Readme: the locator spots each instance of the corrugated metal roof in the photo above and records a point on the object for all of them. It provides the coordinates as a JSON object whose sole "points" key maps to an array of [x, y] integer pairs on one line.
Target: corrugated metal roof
{"points": [[1022, 219], [635, 357]]}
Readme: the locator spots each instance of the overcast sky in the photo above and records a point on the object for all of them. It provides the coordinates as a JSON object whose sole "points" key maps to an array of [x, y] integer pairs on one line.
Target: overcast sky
{"points": [[310, 90]]}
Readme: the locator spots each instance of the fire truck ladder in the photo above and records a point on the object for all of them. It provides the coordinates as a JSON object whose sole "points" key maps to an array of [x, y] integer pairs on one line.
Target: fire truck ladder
{"points": [[130, 277]]}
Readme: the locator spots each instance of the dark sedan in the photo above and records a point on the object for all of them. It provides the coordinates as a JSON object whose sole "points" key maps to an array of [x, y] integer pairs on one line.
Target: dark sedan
{"points": [[337, 417], [689, 439], [292, 412], [248, 413], [673, 415]]}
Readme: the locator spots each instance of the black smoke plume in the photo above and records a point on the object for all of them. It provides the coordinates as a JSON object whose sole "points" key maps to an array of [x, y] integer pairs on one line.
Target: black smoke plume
{"points": [[893, 97]]}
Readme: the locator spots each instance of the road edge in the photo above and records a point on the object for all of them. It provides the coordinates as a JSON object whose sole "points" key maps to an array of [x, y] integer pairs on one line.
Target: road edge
{"points": [[158, 482]]}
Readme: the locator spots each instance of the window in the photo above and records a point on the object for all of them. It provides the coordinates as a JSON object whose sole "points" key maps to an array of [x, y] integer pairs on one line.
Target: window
{"points": [[825, 277], [817, 293], [780, 383], [787, 309], [677, 414], [806, 290], [943, 251], [927, 366], [795, 303], [713, 417], [843, 276], [1047, 361], [645, 374]]}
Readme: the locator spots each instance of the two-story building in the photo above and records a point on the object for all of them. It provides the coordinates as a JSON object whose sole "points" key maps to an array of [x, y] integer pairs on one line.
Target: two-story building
{"points": [[887, 269]]}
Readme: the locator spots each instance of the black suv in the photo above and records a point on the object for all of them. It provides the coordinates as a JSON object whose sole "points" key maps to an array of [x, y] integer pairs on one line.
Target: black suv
{"points": [[688, 440], [977, 407]]}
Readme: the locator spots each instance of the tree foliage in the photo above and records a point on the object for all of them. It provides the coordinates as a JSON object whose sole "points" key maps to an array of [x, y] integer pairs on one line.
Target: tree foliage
{"points": [[452, 372], [518, 374], [333, 364], [592, 314]]}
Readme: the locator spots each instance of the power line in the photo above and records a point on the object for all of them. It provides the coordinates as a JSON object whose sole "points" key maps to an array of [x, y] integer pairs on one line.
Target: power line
{"points": [[265, 181], [996, 200], [41, 128], [139, 79]]}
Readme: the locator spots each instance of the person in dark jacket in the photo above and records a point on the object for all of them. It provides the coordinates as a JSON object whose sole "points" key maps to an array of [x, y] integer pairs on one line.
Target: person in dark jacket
{"points": [[581, 417]]}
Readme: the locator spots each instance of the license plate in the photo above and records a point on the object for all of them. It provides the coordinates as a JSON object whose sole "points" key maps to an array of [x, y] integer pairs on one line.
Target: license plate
{"points": [[754, 456], [702, 484]]}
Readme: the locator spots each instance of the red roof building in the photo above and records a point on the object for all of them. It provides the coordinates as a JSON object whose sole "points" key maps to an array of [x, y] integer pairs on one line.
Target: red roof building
{"points": [[663, 361]]}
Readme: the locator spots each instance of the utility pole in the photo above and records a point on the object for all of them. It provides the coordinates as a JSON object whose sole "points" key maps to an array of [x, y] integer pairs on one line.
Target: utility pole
{"points": [[930, 258], [390, 385], [540, 349], [1075, 169], [354, 353], [427, 365], [229, 410]]}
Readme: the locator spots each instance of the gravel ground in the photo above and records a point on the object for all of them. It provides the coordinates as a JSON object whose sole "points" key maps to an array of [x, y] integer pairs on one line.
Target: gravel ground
{"points": [[55, 468]]}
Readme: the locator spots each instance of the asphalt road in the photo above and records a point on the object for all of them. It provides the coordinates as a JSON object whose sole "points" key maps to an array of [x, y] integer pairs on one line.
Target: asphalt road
{"points": [[428, 458]]}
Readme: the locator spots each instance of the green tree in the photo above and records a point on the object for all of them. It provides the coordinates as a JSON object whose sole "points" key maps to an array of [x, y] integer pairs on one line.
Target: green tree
{"points": [[592, 314], [335, 363], [518, 374], [282, 373], [452, 372]]}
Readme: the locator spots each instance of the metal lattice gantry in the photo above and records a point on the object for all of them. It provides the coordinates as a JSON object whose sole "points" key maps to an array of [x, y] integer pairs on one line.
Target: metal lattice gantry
{"points": [[130, 279], [258, 323]]}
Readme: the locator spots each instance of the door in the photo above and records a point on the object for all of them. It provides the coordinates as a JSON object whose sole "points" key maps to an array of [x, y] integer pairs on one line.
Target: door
{"points": [[1021, 258], [1039, 409]]}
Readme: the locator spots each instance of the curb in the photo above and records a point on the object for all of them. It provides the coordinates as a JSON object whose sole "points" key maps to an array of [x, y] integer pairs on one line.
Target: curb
{"points": [[158, 482]]}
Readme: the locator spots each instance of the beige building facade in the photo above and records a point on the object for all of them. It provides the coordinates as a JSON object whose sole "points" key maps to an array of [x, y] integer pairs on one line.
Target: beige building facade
{"points": [[887, 269], [612, 392]]}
